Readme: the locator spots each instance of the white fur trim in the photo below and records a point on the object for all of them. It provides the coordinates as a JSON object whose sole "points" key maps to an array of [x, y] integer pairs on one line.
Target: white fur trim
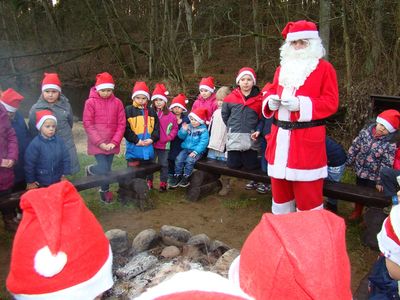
{"points": [[319, 207], [206, 87], [196, 117], [388, 247], [194, 280], [47, 264], [179, 105], [241, 74], [90, 289], [43, 119], [297, 174], [9, 107], [395, 219], [281, 153], [144, 93], [51, 87], [305, 109], [155, 96], [302, 35], [104, 86], [385, 123], [234, 271], [283, 208]]}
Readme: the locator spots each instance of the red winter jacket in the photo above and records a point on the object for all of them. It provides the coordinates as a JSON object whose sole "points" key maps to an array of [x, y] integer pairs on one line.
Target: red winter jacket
{"points": [[104, 122]]}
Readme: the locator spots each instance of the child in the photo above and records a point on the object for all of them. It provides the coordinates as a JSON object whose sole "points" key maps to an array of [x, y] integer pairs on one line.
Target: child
{"points": [[206, 98], [195, 136], [52, 99], [178, 108], [104, 122], [217, 144], [372, 150], [168, 132], [46, 158], [8, 157], [241, 112], [389, 176], [142, 129]]}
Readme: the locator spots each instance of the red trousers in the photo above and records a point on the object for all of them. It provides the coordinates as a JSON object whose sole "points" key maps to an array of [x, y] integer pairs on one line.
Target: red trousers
{"points": [[306, 195]]}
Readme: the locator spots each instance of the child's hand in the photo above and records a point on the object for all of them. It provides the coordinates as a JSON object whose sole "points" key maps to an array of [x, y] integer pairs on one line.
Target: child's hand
{"points": [[140, 143], [192, 154], [255, 135], [379, 188], [7, 163], [185, 126], [110, 146], [148, 142], [31, 186], [103, 146]]}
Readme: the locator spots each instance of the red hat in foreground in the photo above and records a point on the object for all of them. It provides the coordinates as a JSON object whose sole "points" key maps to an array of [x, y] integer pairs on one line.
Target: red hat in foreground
{"points": [[246, 71], [42, 116], [179, 101], [160, 92], [11, 100], [60, 250], [390, 119], [389, 236], [140, 88], [207, 83], [295, 256], [51, 81], [104, 81], [199, 114], [300, 30]]}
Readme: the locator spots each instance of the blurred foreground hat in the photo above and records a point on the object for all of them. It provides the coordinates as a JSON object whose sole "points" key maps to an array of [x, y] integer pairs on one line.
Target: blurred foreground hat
{"points": [[300, 30], [11, 100], [389, 236]]}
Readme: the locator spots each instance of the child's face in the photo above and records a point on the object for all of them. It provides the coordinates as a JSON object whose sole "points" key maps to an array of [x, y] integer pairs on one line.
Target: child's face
{"points": [[194, 122], [381, 130], [140, 100], [246, 83], [105, 93], [159, 104], [51, 95], [205, 93], [48, 128], [177, 110], [219, 102]]}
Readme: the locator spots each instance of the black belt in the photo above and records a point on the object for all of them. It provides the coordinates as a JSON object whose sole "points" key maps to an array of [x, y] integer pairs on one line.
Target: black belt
{"points": [[297, 125]]}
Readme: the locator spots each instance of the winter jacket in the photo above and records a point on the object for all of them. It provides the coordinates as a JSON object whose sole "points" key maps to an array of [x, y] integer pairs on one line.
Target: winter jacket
{"points": [[63, 112], [142, 123], [210, 104], [24, 138], [241, 115], [194, 138], [46, 160], [104, 122], [218, 132], [335, 153], [396, 163], [369, 154], [8, 149], [168, 130], [176, 143]]}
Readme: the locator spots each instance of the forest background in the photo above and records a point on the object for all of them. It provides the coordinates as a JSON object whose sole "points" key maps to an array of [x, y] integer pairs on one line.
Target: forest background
{"points": [[178, 42]]}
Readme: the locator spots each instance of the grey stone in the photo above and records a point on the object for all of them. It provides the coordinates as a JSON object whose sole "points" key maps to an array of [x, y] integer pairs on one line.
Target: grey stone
{"points": [[144, 240], [118, 240], [218, 248], [174, 236], [138, 264], [170, 252], [200, 240], [224, 262]]}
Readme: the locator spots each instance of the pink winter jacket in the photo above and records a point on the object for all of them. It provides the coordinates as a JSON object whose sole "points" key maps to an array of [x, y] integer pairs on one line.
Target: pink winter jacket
{"points": [[104, 122], [168, 130], [210, 104]]}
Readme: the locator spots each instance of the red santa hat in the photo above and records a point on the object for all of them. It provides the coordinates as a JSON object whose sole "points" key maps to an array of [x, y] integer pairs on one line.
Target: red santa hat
{"points": [[160, 92], [246, 71], [51, 81], [195, 285], [207, 83], [390, 119], [199, 114], [11, 100], [287, 256], [42, 116], [300, 30], [140, 88], [60, 250], [179, 101], [388, 237], [104, 81]]}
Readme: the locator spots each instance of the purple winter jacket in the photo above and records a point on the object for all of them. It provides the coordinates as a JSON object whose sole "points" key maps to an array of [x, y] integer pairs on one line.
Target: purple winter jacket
{"points": [[168, 130], [8, 149], [210, 104], [104, 122]]}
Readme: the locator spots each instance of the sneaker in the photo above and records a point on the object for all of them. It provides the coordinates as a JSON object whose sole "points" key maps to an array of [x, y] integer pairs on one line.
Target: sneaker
{"points": [[263, 188], [175, 181], [106, 197], [150, 184], [163, 187], [251, 185], [88, 171], [184, 181]]}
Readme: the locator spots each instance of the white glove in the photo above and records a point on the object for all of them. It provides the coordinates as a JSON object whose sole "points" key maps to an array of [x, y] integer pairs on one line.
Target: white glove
{"points": [[291, 103], [274, 102]]}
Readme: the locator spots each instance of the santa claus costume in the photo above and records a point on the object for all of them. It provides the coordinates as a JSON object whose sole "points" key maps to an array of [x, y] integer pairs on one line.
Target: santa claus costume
{"points": [[303, 94]]}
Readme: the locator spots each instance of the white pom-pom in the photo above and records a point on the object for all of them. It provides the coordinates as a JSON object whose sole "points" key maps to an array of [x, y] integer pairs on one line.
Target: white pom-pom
{"points": [[166, 93], [186, 101], [47, 264]]}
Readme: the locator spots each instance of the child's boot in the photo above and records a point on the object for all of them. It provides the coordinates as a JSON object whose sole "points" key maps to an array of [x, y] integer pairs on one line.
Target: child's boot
{"points": [[225, 187], [88, 170], [163, 187], [106, 197], [356, 214], [149, 184], [184, 181], [175, 181]]}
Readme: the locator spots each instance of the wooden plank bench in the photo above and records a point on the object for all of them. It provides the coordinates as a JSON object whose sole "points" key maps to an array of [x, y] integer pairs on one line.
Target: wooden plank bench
{"points": [[88, 182], [341, 191], [383, 102]]}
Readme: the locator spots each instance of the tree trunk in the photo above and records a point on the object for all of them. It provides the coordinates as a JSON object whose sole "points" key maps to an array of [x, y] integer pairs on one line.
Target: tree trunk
{"points": [[196, 51], [377, 43], [324, 24], [4, 25], [347, 52], [256, 31], [50, 17], [210, 33], [151, 37]]}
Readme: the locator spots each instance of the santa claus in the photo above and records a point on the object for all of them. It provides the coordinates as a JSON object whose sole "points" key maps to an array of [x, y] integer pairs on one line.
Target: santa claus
{"points": [[303, 94]]}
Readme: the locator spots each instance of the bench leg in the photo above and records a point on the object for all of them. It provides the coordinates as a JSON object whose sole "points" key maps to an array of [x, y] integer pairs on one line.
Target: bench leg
{"points": [[136, 191], [202, 184]]}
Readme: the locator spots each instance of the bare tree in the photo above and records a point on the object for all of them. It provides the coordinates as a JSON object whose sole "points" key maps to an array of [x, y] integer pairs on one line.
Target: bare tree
{"points": [[325, 24]]}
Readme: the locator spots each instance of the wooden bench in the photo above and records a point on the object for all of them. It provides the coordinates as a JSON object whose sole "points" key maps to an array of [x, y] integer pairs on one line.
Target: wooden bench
{"points": [[383, 102], [88, 182], [340, 191]]}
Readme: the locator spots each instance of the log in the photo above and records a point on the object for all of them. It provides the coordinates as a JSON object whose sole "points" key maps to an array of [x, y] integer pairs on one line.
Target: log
{"points": [[196, 193]]}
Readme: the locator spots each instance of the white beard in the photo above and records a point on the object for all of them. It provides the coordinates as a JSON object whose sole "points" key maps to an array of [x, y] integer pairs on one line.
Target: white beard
{"points": [[297, 65]]}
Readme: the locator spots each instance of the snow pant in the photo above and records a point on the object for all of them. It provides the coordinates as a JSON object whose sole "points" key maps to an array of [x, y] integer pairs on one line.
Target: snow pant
{"points": [[247, 159], [287, 195], [103, 166]]}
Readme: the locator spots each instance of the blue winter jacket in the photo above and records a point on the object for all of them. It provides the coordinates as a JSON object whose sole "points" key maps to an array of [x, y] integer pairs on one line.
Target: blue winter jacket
{"points": [[195, 138], [46, 160]]}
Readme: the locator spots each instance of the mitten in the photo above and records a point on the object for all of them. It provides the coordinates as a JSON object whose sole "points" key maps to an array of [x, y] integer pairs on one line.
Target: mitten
{"points": [[291, 103], [274, 102]]}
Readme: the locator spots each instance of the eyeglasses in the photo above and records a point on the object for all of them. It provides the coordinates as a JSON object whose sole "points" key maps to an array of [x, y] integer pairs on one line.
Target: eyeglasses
{"points": [[300, 43]]}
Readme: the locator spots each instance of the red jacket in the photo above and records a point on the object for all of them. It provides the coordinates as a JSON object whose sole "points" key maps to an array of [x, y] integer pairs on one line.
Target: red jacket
{"points": [[104, 122]]}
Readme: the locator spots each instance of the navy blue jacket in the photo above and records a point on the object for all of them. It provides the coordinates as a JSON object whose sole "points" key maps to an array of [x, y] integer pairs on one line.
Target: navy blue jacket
{"points": [[176, 143], [46, 160], [335, 153]]}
